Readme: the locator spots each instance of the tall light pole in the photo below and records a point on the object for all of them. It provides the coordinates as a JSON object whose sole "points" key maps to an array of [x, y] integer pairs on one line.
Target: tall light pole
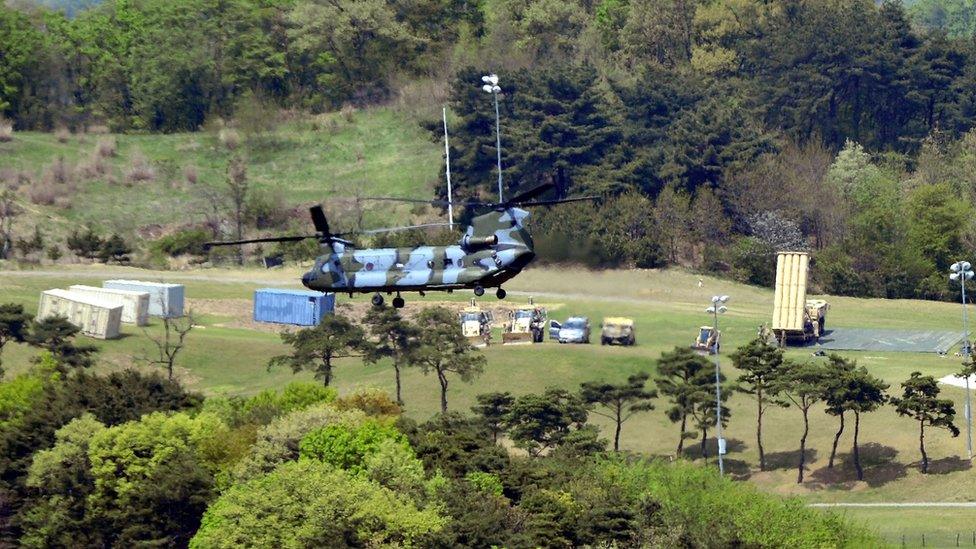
{"points": [[491, 86], [962, 271], [716, 308]]}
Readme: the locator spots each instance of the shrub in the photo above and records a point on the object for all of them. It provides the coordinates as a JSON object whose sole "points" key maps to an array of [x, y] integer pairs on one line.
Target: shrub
{"points": [[184, 242], [229, 138], [98, 129], [6, 130], [106, 147], [374, 402], [139, 169], [42, 194], [62, 134], [753, 262], [190, 174]]}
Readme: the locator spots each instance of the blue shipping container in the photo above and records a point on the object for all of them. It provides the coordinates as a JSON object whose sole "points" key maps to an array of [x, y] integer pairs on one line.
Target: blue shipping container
{"points": [[298, 307]]}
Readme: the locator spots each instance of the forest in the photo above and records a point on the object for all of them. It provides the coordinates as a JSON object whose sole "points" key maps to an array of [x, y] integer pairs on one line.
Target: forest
{"points": [[743, 126]]}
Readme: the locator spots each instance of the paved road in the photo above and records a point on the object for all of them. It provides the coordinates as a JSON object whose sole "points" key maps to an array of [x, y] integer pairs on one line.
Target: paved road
{"points": [[960, 504]]}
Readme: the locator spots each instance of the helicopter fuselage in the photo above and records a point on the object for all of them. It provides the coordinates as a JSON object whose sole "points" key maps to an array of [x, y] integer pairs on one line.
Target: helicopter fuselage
{"points": [[421, 268], [495, 248]]}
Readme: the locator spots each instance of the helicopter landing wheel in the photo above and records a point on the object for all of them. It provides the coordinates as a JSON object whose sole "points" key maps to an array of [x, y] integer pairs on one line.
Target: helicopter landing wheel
{"points": [[377, 300], [479, 291], [500, 293], [398, 302]]}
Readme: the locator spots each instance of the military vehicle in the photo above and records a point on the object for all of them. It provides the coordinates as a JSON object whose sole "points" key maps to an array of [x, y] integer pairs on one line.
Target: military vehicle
{"points": [[617, 330], [525, 325], [709, 340], [476, 325], [796, 319], [576, 329], [493, 249]]}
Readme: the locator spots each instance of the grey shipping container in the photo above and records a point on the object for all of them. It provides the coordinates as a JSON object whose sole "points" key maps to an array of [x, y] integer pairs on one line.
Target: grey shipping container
{"points": [[135, 305], [94, 317], [164, 299], [298, 307]]}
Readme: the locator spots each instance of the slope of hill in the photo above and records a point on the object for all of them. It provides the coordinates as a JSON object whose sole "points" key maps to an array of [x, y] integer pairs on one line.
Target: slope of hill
{"points": [[157, 181]]}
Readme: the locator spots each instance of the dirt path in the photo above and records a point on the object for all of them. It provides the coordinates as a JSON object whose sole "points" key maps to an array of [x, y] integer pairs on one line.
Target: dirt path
{"points": [[960, 504]]}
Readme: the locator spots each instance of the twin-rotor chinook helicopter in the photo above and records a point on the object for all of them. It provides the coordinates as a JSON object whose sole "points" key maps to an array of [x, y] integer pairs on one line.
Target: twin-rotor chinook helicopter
{"points": [[492, 250]]}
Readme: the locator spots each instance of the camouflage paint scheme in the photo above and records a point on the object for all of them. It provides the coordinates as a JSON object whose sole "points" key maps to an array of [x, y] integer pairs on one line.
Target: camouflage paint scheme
{"points": [[474, 262]]}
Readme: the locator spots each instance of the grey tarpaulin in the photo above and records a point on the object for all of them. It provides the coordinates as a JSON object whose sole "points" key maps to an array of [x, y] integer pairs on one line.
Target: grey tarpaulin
{"points": [[907, 341]]}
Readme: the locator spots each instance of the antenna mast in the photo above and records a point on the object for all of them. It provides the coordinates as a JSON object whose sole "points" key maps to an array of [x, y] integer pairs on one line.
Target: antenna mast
{"points": [[447, 156]]}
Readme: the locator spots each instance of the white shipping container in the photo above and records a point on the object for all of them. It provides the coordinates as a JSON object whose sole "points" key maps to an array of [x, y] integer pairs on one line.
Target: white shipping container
{"points": [[94, 317], [135, 305], [164, 299]]}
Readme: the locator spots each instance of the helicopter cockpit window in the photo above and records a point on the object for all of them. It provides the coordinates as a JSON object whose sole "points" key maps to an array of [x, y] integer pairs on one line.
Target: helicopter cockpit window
{"points": [[448, 262]]}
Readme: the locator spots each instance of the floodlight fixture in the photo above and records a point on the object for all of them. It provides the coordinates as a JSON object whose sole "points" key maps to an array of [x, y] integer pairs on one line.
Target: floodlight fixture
{"points": [[491, 86]]}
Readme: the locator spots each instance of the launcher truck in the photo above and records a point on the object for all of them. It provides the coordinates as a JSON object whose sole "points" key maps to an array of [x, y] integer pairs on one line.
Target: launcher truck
{"points": [[796, 319]]}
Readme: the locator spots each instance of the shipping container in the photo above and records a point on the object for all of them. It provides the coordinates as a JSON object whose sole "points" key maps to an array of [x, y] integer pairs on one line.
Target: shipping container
{"points": [[93, 316], [298, 307], [135, 305], [164, 299]]}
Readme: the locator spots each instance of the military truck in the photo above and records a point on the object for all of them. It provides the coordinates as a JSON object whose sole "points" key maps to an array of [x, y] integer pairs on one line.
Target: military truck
{"points": [[476, 325], [525, 325], [709, 341], [796, 319], [617, 330]]}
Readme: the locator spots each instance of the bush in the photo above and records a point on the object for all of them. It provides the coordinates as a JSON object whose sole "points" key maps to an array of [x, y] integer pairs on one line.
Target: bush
{"points": [[139, 169], [183, 242], [62, 135], [107, 147], [6, 130]]}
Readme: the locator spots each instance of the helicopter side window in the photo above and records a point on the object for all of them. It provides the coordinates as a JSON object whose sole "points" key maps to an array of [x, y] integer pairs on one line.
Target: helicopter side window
{"points": [[430, 263], [448, 262]]}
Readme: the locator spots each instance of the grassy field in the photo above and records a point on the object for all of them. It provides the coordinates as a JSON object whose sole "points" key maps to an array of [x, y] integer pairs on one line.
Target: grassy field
{"points": [[379, 151], [227, 355]]}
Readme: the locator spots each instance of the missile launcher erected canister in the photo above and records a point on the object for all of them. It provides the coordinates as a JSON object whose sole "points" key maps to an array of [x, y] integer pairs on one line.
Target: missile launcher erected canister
{"points": [[796, 319]]}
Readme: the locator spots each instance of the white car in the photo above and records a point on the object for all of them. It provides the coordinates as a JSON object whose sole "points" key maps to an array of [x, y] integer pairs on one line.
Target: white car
{"points": [[576, 329]]}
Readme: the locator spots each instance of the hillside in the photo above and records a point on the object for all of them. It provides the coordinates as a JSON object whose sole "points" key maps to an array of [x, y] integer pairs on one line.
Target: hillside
{"points": [[330, 158]]}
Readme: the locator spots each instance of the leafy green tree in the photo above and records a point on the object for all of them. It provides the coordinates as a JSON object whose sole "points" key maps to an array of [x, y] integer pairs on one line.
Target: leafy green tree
{"points": [[937, 218], [541, 422], [492, 409], [85, 244], [318, 347], [349, 447], [920, 401], [14, 325], [152, 479], [20, 42], [854, 389], [444, 350], [114, 248], [56, 335], [622, 400], [309, 503], [762, 367], [704, 408], [455, 444], [394, 338], [61, 480], [681, 374], [837, 395], [803, 384]]}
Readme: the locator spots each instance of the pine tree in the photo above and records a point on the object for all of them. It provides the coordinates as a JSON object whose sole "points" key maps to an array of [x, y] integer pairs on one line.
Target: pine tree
{"points": [[920, 401]]}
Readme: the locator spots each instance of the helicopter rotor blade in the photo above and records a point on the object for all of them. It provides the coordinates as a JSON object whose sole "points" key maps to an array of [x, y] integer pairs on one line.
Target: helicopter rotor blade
{"points": [[395, 229], [530, 194], [296, 238], [559, 201], [319, 221], [432, 202]]}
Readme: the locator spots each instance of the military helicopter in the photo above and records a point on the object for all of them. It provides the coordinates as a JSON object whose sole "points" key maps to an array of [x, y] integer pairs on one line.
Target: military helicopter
{"points": [[492, 250]]}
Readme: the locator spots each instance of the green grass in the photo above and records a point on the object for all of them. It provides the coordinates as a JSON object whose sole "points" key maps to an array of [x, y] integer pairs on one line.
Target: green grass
{"points": [[379, 151], [940, 526], [668, 307]]}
